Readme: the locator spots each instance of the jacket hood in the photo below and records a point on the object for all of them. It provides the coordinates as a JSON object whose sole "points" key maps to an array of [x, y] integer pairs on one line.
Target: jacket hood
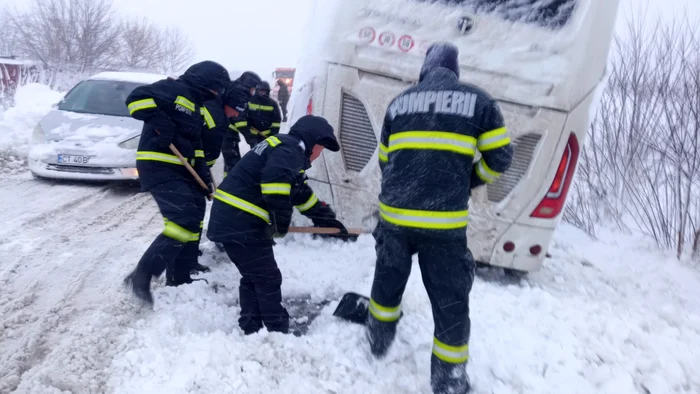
{"points": [[236, 96], [315, 130], [249, 79], [206, 76], [263, 89], [439, 55]]}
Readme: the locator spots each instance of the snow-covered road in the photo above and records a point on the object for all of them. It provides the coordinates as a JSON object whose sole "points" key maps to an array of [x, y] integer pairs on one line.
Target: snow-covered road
{"points": [[612, 317]]}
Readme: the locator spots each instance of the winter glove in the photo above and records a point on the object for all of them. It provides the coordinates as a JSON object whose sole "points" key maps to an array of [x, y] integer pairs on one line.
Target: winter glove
{"points": [[272, 230], [201, 168], [325, 217]]}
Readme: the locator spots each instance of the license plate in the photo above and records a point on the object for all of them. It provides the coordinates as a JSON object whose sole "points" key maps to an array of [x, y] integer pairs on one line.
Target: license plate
{"points": [[73, 159]]}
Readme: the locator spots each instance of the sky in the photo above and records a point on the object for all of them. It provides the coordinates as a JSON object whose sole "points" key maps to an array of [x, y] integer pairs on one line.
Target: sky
{"points": [[261, 35]]}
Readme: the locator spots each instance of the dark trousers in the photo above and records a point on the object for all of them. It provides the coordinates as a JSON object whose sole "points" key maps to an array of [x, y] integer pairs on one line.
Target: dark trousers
{"points": [[231, 153], [283, 107], [260, 290], [447, 268], [182, 206]]}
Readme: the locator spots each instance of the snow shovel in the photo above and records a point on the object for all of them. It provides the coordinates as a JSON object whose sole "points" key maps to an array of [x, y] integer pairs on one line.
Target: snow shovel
{"points": [[354, 308], [189, 168]]}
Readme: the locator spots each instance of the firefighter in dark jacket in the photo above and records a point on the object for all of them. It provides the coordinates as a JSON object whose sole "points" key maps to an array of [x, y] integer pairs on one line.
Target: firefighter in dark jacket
{"points": [[172, 114], [263, 114], [237, 118], [254, 204], [283, 98], [216, 127], [430, 136]]}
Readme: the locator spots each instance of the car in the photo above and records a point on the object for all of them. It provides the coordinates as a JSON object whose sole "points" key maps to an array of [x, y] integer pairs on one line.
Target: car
{"points": [[89, 134]]}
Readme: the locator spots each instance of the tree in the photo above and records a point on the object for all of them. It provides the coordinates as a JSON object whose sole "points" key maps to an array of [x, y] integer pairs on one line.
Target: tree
{"points": [[176, 50], [139, 44], [641, 163], [77, 35]]}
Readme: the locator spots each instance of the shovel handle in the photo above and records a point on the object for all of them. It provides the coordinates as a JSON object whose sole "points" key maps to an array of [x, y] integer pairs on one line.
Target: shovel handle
{"points": [[326, 230], [187, 165], [190, 169]]}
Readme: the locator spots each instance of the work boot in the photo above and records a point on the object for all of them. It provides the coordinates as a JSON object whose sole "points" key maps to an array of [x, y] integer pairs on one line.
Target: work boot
{"points": [[446, 378], [140, 285], [380, 336]]}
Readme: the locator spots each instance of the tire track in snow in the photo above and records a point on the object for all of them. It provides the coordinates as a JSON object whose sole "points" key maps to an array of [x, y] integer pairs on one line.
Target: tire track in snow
{"points": [[71, 294]]}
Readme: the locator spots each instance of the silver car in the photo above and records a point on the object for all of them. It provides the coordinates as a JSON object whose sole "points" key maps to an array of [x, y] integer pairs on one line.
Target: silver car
{"points": [[89, 134]]}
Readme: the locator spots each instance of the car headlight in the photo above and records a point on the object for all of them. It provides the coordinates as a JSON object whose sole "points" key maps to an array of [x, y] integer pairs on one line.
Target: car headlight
{"points": [[131, 143], [38, 136]]}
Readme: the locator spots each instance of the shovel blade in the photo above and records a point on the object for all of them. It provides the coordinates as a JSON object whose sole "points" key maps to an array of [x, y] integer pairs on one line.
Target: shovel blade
{"points": [[353, 307]]}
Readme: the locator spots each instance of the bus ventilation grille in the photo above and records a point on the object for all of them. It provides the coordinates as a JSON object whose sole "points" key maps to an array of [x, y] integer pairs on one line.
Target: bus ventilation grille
{"points": [[357, 138], [523, 149]]}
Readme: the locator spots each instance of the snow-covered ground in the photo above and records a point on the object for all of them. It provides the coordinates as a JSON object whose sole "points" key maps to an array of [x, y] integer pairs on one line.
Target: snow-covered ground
{"points": [[600, 317]]}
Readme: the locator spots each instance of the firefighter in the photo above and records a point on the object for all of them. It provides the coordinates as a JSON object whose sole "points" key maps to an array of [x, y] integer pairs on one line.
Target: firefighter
{"points": [[237, 118], [172, 114], [264, 114], [254, 204], [429, 138], [283, 98]]}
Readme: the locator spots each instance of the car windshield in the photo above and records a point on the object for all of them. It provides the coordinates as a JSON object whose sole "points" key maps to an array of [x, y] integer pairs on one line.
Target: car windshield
{"points": [[99, 97], [552, 14]]}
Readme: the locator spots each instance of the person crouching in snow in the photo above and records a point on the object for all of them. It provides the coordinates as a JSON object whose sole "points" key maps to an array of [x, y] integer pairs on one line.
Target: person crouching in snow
{"points": [[254, 204]]}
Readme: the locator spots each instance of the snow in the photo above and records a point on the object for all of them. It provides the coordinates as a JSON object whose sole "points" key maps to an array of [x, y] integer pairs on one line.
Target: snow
{"points": [[605, 317], [144, 78], [33, 101]]}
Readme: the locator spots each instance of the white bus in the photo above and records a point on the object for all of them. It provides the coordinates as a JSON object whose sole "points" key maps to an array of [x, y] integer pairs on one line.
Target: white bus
{"points": [[543, 60]]}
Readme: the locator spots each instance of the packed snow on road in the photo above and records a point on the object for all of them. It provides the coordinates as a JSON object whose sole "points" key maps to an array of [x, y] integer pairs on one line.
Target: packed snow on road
{"points": [[612, 316]]}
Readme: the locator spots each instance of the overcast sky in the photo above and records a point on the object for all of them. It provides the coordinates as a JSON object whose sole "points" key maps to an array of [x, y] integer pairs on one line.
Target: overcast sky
{"points": [[263, 34]]}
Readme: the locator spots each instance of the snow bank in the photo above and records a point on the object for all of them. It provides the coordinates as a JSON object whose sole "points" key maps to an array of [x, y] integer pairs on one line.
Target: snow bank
{"points": [[32, 102], [611, 317]]}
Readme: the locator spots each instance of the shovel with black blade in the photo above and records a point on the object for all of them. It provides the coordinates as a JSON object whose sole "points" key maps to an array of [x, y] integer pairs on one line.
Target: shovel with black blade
{"points": [[354, 308]]}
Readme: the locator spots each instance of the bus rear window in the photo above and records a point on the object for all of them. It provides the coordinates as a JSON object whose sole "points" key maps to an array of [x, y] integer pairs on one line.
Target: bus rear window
{"points": [[552, 14]]}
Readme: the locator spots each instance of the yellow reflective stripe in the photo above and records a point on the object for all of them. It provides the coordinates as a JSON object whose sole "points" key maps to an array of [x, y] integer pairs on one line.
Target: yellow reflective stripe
{"points": [[493, 139], [242, 204], [198, 153], [485, 173], [242, 123], [275, 124], [179, 233], [201, 224], [273, 141], [383, 151], [276, 188], [308, 204], [211, 163], [254, 131], [185, 103], [434, 220], [434, 140], [384, 313], [157, 156], [259, 107], [450, 354], [141, 104], [232, 127], [266, 132], [207, 117]]}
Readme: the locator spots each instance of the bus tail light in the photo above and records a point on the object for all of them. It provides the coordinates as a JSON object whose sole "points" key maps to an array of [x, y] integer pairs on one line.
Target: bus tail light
{"points": [[553, 203], [310, 106]]}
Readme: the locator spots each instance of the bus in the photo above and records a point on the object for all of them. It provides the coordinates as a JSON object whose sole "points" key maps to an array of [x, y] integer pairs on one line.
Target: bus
{"points": [[544, 61]]}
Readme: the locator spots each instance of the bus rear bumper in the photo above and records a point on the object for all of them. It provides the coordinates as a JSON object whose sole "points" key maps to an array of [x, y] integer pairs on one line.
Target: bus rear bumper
{"points": [[510, 245]]}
